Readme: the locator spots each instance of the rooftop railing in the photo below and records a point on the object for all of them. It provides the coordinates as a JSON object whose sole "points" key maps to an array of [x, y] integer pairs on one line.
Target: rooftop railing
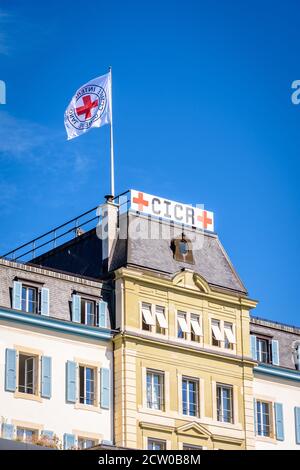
{"points": [[61, 234]]}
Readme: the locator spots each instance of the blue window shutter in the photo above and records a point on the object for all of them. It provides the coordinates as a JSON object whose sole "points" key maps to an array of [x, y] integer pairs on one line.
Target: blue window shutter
{"points": [[279, 421], [102, 313], [253, 347], [255, 418], [45, 301], [105, 388], [10, 370], [46, 377], [71, 382], [17, 295], [7, 431], [76, 308], [69, 441], [275, 352], [297, 424]]}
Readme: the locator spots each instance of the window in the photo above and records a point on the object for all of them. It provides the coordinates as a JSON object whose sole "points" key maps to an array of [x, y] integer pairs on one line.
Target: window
{"points": [[155, 390], [155, 444], [27, 435], [224, 404], [28, 373], [85, 443], [222, 334], [29, 299], [189, 326], [88, 312], [154, 319], [229, 338], [216, 333], [263, 418], [189, 397], [190, 447], [87, 385], [196, 331], [161, 322], [182, 326], [147, 318], [182, 249], [263, 350]]}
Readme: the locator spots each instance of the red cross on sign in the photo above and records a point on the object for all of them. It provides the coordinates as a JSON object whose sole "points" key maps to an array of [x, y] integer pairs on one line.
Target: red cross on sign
{"points": [[140, 201], [88, 105], [204, 219]]}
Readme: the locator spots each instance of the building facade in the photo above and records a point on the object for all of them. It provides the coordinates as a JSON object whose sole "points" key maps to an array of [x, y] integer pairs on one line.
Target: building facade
{"points": [[56, 358], [136, 333], [183, 371], [276, 386]]}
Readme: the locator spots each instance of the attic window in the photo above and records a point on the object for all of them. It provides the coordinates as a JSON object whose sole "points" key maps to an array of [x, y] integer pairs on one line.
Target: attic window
{"points": [[182, 249]]}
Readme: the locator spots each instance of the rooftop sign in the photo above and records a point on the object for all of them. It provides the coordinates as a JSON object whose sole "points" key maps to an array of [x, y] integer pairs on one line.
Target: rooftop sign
{"points": [[170, 210]]}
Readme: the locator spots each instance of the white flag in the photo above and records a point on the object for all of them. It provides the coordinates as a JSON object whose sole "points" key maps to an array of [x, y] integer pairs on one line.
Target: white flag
{"points": [[90, 107]]}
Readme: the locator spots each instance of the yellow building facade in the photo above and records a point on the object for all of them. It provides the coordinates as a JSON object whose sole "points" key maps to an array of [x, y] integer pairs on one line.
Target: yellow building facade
{"points": [[175, 389]]}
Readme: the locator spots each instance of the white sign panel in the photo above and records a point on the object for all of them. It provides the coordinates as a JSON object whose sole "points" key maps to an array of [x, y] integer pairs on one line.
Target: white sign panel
{"points": [[171, 210]]}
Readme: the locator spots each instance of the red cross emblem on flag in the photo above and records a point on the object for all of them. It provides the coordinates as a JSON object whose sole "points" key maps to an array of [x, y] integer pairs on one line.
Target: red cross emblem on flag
{"points": [[89, 107], [86, 108]]}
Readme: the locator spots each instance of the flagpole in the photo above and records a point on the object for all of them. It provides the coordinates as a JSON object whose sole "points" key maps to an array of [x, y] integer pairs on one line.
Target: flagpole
{"points": [[112, 163]]}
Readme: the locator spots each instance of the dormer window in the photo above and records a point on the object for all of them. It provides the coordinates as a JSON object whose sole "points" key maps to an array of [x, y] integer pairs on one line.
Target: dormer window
{"points": [[182, 249], [29, 299]]}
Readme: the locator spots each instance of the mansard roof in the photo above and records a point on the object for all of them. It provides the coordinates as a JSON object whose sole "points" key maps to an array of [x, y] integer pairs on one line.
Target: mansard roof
{"points": [[83, 254], [155, 254]]}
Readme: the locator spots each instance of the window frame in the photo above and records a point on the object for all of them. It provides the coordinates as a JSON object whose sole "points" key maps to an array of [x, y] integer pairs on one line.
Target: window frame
{"points": [[224, 342], [190, 380], [36, 301], [259, 353], [161, 396], [35, 374], [25, 429], [194, 337], [259, 418], [181, 314], [155, 328], [159, 330], [85, 439], [159, 441], [85, 367], [190, 335], [227, 343], [220, 410], [186, 446], [84, 301]]}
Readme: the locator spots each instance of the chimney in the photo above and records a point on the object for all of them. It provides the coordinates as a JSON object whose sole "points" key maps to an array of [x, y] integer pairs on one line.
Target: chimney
{"points": [[107, 229], [296, 353], [297, 358]]}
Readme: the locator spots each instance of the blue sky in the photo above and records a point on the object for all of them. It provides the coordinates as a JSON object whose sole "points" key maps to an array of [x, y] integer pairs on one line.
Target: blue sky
{"points": [[202, 114]]}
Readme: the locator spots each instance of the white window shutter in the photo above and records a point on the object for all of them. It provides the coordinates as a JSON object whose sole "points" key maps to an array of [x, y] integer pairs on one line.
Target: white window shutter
{"points": [[45, 301]]}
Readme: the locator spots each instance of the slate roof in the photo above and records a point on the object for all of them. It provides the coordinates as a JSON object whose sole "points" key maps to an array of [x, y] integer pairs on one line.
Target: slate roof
{"points": [[83, 255], [210, 258]]}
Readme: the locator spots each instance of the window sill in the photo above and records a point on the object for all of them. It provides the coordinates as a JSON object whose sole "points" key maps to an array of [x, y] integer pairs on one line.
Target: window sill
{"points": [[270, 439], [82, 406], [151, 411], [221, 349], [28, 396]]}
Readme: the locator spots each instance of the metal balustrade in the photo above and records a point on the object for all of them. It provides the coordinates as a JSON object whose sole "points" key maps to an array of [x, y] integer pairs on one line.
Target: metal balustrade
{"points": [[63, 233]]}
